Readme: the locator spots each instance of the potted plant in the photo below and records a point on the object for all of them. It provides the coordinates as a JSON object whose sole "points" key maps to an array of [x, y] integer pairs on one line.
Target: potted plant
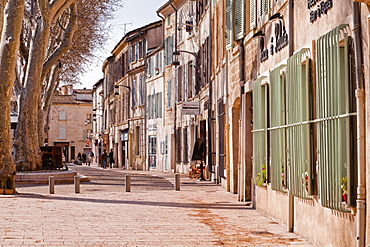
{"points": [[344, 188]]}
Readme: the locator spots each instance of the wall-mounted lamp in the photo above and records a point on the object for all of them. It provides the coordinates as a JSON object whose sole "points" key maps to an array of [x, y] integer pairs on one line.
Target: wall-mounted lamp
{"points": [[276, 16], [116, 88], [259, 33]]}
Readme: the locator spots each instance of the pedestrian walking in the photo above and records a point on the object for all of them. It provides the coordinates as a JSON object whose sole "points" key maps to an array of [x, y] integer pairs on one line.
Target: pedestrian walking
{"points": [[91, 157], [84, 158], [111, 159], [104, 158]]}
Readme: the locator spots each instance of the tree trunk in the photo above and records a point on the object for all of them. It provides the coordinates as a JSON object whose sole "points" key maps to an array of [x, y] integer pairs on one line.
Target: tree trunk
{"points": [[13, 13], [28, 154]]}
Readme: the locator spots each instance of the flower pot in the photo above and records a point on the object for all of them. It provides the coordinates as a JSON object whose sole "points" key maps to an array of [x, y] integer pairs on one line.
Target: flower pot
{"points": [[344, 199]]}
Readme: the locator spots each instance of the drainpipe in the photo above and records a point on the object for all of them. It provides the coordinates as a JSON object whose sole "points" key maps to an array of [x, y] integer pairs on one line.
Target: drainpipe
{"points": [[360, 104], [290, 220], [175, 94], [241, 168], [210, 91]]}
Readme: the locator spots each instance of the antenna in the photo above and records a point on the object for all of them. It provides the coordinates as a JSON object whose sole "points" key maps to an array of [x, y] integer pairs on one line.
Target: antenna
{"points": [[125, 24]]}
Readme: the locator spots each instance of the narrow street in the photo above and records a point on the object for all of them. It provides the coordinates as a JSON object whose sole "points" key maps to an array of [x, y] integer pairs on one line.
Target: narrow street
{"points": [[152, 214]]}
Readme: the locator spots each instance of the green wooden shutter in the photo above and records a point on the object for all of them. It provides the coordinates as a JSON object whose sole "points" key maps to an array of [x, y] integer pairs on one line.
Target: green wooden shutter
{"points": [[298, 125], [229, 24], [277, 130], [239, 19], [259, 132]]}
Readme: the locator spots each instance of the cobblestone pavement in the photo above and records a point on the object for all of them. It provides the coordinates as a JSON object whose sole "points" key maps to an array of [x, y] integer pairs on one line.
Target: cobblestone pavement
{"points": [[152, 214]]}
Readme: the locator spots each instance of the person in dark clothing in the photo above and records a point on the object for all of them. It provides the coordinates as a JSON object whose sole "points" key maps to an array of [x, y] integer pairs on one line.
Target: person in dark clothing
{"points": [[104, 157], [84, 156], [111, 159]]}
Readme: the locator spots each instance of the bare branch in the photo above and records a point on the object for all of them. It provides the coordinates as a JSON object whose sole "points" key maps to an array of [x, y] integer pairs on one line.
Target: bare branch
{"points": [[65, 45]]}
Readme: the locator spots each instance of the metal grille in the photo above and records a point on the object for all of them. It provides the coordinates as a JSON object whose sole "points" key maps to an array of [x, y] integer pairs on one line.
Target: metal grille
{"points": [[335, 109], [259, 132]]}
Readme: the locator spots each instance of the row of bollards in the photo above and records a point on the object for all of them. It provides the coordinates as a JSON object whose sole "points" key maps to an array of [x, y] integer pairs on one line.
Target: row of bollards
{"points": [[127, 184], [52, 184]]}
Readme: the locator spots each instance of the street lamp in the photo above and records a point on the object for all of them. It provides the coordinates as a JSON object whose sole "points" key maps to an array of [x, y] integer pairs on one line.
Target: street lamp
{"points": [[116, 88]]}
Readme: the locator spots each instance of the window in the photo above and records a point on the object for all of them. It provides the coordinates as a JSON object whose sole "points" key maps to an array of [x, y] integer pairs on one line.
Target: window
{"points": [[62, 133], [186, 145], [137, 51], [137, 140], [160, 103], [134, 93], [152, 151], [336, 117], [229, 24], [169, 20], [62, 115], [259, 132], [130, 51], [169, 92], [179, 83], [239, 19], [178, 145], [142, 90], [190, 80]]}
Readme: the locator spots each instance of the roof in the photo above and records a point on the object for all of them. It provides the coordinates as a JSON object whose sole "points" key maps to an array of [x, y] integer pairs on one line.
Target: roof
{"points": [[137, 32], [68, 99], [165, 5], [83, 91]]}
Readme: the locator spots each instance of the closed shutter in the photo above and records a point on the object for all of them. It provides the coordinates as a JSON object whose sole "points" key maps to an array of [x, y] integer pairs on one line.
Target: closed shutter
{"points": [[62, 133], [165, 56], [229, 24], [160, 104], [263, 8], [259, 132], [277, 132], [252, 14], [239, 19], [171, 50], [169, 93]]}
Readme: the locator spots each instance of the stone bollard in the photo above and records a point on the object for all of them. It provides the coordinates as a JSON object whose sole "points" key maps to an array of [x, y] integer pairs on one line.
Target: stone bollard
{"points": [[128, 183], [177, 181], [77, 184], [51, 184]]}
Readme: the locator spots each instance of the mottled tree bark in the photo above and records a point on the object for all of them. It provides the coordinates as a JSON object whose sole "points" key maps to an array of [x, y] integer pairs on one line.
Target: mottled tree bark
{"points": [[28, 155], [12, 21]]}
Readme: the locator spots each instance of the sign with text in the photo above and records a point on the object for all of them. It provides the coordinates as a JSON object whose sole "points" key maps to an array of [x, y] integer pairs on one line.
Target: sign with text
{"points": [[190, 108]]}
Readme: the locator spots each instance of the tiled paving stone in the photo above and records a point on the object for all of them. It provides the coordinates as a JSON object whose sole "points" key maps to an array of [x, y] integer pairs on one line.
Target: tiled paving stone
{"points": [[152, 214]]}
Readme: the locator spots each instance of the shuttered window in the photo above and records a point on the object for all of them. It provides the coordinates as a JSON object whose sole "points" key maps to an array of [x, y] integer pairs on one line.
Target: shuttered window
{"points": [[62, 133], [263, 8], [134, 93], [239, 19], [229, 24], [336, 113], [259, 132], [252, 14], [277, 132], [169, 93], [298, 141], [62, 115]]}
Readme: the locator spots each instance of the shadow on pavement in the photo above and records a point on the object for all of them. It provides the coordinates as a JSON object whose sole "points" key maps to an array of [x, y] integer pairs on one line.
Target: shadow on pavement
{"points": [[223, 206]]}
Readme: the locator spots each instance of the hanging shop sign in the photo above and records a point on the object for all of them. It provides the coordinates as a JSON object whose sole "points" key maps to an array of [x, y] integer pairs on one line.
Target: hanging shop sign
{"points": [[322, 8], [277, 43], [190, 108]]}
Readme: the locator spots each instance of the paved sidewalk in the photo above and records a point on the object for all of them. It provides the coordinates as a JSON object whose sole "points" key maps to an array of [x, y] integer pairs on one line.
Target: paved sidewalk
{"points": [[152, 214]]}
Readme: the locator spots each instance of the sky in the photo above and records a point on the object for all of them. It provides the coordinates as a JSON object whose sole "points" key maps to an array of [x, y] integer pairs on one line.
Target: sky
{"points": [[134, 14]]}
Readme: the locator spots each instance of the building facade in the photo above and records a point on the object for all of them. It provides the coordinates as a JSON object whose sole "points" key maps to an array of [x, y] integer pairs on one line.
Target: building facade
{"points": [[70, 121], [276, 90]]}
